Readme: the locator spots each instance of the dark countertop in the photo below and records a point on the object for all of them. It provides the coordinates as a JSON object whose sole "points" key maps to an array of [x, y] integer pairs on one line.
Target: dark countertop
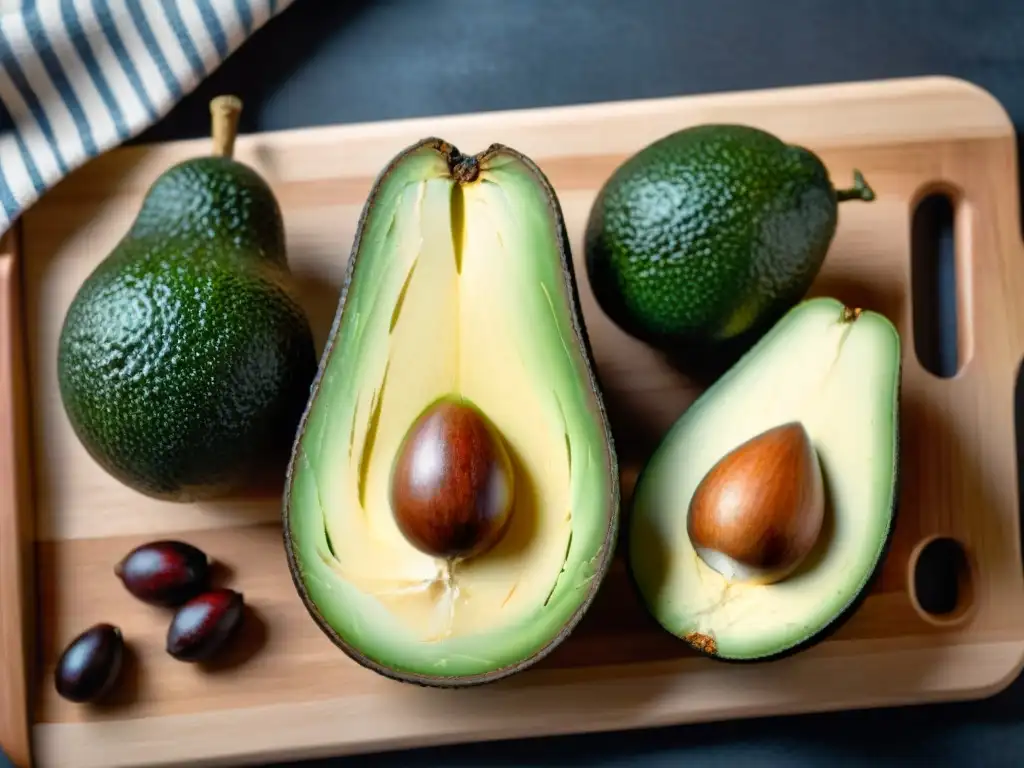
{"points": [[321, 63]]}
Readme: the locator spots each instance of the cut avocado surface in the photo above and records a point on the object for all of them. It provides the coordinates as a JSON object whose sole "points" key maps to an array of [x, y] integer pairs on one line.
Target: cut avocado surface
{"points": [[460, 289], [835, 372]]}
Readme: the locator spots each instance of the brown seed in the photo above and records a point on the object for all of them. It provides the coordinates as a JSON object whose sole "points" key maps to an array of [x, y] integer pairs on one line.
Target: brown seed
{"points": [[452, 483], [758, 512]]}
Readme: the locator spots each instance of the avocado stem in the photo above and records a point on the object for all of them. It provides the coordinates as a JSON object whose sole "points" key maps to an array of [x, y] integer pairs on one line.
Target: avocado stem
{"points": [[466, 170], [860, 190], [224, 112]]}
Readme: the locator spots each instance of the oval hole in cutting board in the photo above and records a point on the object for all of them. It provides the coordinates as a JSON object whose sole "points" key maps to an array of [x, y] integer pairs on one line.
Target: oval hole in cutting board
{"points": [[942, 581], [933, 283]]}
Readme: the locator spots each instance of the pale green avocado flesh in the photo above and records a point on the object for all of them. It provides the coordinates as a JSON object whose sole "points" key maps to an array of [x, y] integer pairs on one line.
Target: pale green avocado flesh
{"points": [[462, 284], [836, 371]]}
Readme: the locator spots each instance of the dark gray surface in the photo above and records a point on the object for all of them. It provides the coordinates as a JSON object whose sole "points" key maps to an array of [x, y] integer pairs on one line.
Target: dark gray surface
{"points": [[325, 62]]}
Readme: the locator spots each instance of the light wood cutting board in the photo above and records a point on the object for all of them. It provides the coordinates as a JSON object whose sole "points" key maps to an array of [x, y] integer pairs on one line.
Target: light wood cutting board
{"points": [[285, 692]]}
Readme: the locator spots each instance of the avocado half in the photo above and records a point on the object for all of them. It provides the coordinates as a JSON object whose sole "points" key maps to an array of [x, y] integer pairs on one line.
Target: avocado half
{"points": [[460, 285], [835, 371]]}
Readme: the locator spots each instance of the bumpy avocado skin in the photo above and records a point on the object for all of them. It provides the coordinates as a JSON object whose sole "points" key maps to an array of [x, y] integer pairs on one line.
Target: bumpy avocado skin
{"points": [[703, 239], [185, 359]]}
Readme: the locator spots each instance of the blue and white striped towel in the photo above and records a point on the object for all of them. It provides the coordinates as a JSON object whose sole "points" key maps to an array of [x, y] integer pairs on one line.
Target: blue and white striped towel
{"points": [[78, 77]]}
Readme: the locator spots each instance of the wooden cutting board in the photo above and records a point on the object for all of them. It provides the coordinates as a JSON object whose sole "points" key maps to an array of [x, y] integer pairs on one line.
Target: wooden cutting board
{"points": [[285, 692]]}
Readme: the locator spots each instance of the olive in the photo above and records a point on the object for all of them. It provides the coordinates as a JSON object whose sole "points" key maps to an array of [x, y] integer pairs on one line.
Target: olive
{"points": [[203, 625], [165, 572], [90, 664]]}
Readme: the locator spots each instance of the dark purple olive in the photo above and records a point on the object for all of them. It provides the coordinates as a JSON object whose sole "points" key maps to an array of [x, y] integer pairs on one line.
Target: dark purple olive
{"points": [[166, 573], [203, 625], [91, 663]]}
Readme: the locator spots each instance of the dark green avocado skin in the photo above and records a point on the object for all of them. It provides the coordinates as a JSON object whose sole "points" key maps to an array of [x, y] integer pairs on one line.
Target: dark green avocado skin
{"points": [[185, 360], [703, 239]]}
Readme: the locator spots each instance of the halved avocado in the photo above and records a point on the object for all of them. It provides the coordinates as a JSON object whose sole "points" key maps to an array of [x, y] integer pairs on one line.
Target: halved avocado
{"points": [[460, 289], [835, 372]]}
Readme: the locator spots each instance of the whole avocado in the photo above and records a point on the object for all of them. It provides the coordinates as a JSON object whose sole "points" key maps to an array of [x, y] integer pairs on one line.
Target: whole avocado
{"points": [[185, 359], [702, 240]]}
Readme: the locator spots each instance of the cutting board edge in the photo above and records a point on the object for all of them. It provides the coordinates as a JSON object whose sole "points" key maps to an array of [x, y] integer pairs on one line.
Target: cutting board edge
{"points": [[243, 740], [977, 113], [17, 562], [853, 90]]}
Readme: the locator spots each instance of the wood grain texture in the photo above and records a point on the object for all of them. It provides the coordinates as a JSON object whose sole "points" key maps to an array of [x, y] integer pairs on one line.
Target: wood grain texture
{"points": [[284, 691], [16, 564]]}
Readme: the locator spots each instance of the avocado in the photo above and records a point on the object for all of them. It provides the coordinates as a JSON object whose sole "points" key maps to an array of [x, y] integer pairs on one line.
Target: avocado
{"points": [[185, 358], [699, 242], [452, 501], [810, 413]]}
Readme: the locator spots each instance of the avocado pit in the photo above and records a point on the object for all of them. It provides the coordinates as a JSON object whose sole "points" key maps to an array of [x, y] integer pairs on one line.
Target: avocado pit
{"points": [[452, 483], [758, 512]]}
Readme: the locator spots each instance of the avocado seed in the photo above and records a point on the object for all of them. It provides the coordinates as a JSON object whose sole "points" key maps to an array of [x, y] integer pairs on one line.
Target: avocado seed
{"points": [[452, 482], [758, 512]]}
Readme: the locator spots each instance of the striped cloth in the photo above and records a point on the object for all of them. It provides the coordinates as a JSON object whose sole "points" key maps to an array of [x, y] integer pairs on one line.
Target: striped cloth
{"points": [[78, 77]]}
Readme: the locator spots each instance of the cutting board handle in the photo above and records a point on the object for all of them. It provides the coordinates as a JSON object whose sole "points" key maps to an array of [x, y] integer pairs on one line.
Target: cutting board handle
{"points": [[16, 620]]}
